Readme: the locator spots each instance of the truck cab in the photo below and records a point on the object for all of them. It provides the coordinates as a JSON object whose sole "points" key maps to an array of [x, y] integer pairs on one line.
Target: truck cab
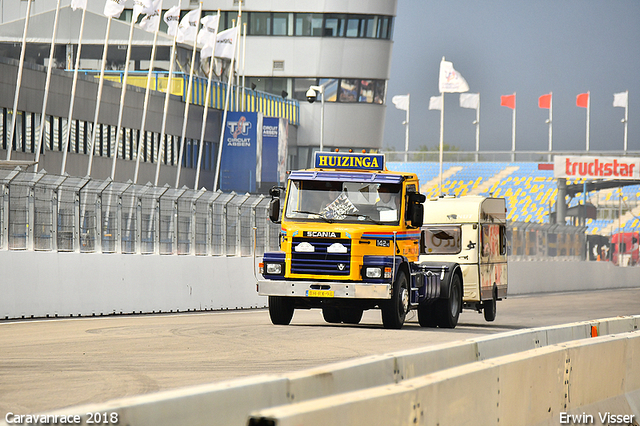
{"points": [[350, 241]]}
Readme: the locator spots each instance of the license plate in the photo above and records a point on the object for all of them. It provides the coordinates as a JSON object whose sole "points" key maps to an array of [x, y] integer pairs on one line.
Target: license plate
{"points": [[319, 293]]}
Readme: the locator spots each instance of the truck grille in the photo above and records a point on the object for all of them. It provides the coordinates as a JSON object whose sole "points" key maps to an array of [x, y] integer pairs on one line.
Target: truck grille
{"points": [[320, 262]]}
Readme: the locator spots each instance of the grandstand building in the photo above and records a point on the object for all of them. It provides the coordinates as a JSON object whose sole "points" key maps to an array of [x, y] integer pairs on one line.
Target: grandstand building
{"points": [[343, 46]]}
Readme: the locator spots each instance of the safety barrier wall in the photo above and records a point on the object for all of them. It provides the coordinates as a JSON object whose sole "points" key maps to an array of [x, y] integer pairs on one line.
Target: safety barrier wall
{"points": [[522, 377]]}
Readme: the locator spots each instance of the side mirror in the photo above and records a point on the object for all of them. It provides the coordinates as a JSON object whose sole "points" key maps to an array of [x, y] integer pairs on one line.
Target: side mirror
{"points": [[415, 212], [416, 215], [274, 210]]}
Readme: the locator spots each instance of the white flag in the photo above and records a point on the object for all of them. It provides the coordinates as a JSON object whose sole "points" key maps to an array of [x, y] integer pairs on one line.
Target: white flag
{"points": [[401, 102], [450, 80], [469, 100], [141, 7], [151, 21], [114, 8], [207, 35], [620, 99], [172, 19], [435, 102], [82, 4], [226, 43], [188, 28]]}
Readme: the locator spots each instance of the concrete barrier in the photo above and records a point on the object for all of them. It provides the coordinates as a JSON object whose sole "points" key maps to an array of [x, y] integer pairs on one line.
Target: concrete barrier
{"points": [[58, 284], [38, 284], [391, 377], [588, 378]]}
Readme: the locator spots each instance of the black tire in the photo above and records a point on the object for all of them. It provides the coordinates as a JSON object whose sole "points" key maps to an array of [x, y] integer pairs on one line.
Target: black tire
{"points": [[351, 316], [427, 315], [448, 310], [331, 315], [280, 310], [489, 308], [394, 311]]}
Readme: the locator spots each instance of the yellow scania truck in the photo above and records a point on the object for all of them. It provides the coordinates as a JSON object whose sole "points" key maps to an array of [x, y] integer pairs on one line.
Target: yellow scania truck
{"points": [[352, 238]]}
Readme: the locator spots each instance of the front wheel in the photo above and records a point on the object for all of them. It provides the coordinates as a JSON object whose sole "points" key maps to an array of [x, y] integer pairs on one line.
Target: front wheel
{"points": [[280, 310], [395, 310], [449, 309]]}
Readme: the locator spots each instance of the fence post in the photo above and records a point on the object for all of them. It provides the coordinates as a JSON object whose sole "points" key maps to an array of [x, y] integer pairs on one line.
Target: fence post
{"points": [[31, 215], [139, 223], [54, 215]]}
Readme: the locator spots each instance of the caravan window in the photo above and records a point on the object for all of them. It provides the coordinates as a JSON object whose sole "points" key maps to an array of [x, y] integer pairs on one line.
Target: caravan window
{"points": [[440, 240]]}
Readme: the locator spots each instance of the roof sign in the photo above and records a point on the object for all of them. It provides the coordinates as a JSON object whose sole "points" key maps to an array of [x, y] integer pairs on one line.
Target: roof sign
{"points": [[344, 161]]}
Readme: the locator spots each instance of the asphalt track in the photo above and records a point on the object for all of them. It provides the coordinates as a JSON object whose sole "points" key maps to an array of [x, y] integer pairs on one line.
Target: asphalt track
{"points": [[56, 363]]}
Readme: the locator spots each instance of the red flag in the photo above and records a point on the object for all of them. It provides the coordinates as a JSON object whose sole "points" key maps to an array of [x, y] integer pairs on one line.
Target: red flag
{"points": [[544, 101], [509, 101], [582, 100]]}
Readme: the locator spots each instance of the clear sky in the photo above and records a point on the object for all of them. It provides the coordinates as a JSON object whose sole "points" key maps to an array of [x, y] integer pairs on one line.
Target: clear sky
{"points": [[532, 48]]}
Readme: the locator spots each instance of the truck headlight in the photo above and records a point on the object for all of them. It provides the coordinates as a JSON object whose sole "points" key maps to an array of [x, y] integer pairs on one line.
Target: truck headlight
{"points": [[373, 272], [273, 268]]}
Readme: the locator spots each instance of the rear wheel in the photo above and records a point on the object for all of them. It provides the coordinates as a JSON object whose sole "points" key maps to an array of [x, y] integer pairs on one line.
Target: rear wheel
{"points": [[489, 308], [394, 310], [331, 315], [280, 310], [351, 316], [427, 315], [448, 310]]}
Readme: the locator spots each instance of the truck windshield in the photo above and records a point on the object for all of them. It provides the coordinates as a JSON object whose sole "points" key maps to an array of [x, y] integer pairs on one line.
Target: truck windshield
{"points": [[344, 202], [440, 239]]}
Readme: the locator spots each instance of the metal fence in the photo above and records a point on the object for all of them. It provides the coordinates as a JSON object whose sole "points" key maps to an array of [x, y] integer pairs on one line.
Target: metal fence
{"points": [[40, 211]]}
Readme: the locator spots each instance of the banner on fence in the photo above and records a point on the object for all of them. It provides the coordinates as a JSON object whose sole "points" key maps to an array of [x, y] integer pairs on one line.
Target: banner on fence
{"points": [[241, 161]]}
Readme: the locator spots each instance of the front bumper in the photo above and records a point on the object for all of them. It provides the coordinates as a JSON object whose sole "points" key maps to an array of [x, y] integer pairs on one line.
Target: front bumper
{"points": [[344, 290]]}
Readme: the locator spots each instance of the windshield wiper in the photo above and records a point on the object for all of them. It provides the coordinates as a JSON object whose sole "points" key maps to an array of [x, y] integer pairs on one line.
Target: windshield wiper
{"points": [[377, 222], [315, 214]]}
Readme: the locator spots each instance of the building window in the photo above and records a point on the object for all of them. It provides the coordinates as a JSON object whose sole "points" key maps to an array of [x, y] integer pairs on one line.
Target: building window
{"points": [[280, 24], [348, 90], [259, 23], [334, 25], [308, 24]]}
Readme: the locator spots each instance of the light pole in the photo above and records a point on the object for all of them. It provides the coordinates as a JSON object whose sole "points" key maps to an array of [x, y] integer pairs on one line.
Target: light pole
{"points": [[312, 95]]}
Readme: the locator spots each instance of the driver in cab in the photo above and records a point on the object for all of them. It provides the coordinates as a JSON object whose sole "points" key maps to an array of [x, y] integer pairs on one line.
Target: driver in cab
{"points": [[388, 203]]}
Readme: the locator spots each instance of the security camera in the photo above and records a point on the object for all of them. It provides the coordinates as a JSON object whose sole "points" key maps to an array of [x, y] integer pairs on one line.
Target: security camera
{"points": [[312, 95]]}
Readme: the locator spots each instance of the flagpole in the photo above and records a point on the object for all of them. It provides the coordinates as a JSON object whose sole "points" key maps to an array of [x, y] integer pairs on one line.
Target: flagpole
{"points": [[237, 108], [188, 100], [513, 130], [626, 121], [441, 138], [73, 95], [99, 97], [205, 112], [588, 116], [19, 83], [406, 131], [123, 94], [146, 96], [477, 123], [165, 110], [550, 121], [244, 51], [47, 83], [224, 120]]}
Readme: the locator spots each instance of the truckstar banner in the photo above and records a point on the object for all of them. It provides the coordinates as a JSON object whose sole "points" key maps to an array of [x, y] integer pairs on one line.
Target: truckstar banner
{"points": [[575, 167]]}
